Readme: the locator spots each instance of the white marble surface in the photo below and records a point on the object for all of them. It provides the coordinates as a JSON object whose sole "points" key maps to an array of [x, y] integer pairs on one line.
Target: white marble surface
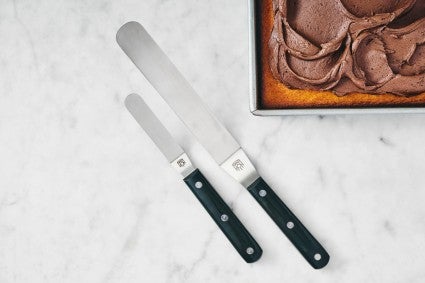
{"points": [[86, 197]]}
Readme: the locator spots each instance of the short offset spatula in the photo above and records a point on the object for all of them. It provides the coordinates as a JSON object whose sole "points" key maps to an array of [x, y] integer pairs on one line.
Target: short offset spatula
{"points": [[181, 97], [223, 216]]}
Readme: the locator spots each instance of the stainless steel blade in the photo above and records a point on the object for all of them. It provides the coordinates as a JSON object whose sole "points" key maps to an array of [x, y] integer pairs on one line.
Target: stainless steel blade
{"points": [[153, 127], [176, 91], [171, 85], [159, 135]]}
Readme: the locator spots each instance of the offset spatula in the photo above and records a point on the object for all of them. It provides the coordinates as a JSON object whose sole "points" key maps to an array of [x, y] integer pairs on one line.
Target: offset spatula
{"points": [[176, 91], [223, 216]]}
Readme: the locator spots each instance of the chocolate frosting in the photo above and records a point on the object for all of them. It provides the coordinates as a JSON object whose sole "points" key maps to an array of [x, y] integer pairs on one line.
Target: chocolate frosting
{"points": [[375, 46]]}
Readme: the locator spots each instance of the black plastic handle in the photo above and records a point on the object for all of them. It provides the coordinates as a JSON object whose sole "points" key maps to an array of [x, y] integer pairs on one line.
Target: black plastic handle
{"points": [[234, 230], [306, 244]]}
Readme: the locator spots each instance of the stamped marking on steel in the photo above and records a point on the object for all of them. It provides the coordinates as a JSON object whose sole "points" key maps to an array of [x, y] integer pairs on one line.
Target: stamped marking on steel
{"points": [[238, 165]]}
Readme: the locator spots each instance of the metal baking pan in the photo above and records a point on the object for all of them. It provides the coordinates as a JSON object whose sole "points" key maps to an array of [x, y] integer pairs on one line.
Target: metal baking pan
{"points": [[255, 93]]}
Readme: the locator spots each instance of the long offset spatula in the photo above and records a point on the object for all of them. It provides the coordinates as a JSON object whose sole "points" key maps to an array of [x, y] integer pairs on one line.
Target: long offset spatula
{"points": [[181, 97], [234, 230]]}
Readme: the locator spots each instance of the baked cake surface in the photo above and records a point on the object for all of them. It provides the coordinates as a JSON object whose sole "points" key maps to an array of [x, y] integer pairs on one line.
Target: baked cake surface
{"points": [[353, 48]]}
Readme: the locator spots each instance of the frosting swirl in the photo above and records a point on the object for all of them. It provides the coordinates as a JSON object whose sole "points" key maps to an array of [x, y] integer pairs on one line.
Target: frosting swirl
{"points": [[349, 46]]}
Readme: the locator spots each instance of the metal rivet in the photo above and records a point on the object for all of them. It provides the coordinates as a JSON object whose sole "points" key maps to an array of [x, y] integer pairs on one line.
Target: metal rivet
{"points": [[262, 193], [317, 257], [249, 250], [290, 225], [198, 185], [224, 217]]}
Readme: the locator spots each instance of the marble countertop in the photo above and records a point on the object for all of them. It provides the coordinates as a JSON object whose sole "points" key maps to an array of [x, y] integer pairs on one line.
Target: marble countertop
{"points": [[85, 196]]}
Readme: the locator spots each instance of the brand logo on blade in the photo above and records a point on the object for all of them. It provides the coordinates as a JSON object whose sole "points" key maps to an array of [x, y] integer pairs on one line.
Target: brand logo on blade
{"points": [[238, 165], [181, 162]]}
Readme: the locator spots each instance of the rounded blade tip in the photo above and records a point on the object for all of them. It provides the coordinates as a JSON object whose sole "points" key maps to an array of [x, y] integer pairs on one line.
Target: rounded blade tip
{"points": [[127, 27], [131, 99]]}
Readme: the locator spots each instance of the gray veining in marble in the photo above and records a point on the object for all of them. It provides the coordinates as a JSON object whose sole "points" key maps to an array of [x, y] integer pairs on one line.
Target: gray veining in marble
{"points": [[86, 197]]}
